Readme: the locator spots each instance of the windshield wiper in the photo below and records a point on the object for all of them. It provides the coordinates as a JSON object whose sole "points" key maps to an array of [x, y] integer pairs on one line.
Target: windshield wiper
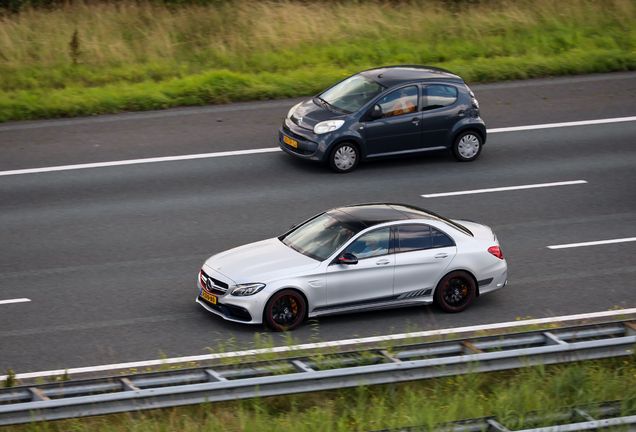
{"points": [[327, 105]]}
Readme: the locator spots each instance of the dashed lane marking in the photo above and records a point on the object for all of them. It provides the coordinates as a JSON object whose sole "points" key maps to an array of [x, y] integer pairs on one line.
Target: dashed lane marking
{"points": [[503, 189], [593, 243], [19, 300]]}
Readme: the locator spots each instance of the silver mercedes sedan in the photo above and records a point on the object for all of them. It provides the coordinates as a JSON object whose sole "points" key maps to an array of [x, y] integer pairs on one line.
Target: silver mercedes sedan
{"points": [[350, 259]]}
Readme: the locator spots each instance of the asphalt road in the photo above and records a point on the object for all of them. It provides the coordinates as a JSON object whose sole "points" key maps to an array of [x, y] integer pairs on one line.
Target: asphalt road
{"points": [[109, 256]]}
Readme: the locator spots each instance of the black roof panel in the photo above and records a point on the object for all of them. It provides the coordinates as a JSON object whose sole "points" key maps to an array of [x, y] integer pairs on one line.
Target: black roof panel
{"points": [[371, 214], [393, 75]]}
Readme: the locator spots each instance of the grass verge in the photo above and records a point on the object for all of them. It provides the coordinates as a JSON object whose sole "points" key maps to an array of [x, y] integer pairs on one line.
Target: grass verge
{"points": [[506, 395], [86, 59]]}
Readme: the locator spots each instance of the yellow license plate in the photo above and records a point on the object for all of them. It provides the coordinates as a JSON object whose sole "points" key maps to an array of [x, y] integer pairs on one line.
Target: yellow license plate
{"points": [[290, 141], [208, 297]]}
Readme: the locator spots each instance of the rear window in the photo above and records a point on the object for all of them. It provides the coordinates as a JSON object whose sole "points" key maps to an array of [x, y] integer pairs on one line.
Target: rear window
{"points": [[440, 239], [438, 96], [414, 237]]}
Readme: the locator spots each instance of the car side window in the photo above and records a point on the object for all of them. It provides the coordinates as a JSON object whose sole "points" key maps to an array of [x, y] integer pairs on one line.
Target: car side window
{"points": [[402, 101], [375, 243], [439, 239], [414, 237], [438, 96]]}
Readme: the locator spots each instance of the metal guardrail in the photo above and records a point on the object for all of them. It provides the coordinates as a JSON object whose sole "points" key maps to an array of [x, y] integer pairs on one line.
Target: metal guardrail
{"points": [[568, 419], [135, 392]]}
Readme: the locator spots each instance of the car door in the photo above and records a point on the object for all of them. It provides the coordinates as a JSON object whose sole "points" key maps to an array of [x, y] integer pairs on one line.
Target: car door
{"points": [[422, 255], [368, 282], [400, 128], [441, 110]]}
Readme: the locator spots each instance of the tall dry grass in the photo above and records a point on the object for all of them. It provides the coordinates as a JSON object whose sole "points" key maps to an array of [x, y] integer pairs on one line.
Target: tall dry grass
{"points": [[134, 55], [228, 34]]}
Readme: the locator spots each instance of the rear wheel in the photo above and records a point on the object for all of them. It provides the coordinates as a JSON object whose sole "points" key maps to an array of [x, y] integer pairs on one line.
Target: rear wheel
{"points": [[344, 158], [455, 292], [285, 310], [467, 146]]}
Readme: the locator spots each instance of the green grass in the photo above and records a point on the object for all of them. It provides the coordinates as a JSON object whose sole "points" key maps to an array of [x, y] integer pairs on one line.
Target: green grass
{"points": [[139, 56], [506, 395]]}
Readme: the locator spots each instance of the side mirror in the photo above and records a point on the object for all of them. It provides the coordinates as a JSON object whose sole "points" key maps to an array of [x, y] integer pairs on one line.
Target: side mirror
{"points": [[376, 113], [347, 258]]}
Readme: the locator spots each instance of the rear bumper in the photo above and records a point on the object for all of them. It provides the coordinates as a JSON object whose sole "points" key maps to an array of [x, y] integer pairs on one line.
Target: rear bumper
{"points": [[497, 283]]}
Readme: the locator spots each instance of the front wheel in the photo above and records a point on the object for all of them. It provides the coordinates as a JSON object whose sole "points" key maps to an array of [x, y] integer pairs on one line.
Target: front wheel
{"points": [[467, 146], [455, 292], [344, 158], [285, 310]]}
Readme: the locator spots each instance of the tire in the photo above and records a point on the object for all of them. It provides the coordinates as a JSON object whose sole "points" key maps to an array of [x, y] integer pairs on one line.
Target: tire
{"points": [[467, 146], [344, 158], [285, 310], [455, 292]]}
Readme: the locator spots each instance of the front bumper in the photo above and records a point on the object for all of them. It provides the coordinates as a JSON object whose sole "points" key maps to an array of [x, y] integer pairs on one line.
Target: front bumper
{"points": [[227, 311], [306, 147], [248, 309]]}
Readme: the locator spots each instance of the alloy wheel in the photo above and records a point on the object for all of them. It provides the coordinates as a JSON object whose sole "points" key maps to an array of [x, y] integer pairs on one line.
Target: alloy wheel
{"points": [[457, 292], [286, 311]]}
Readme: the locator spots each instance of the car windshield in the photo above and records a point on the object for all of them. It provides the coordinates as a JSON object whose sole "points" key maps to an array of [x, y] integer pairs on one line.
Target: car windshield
{"points": [[352, 94], [320, 237]]}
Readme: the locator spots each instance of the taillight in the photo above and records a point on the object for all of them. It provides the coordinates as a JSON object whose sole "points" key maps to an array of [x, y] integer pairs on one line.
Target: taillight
{"points": [[496, 251]]}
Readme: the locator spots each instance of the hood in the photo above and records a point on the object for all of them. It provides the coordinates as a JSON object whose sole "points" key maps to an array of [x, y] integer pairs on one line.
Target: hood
{"points": [[310, 113], [260, 262], [480, 231]]}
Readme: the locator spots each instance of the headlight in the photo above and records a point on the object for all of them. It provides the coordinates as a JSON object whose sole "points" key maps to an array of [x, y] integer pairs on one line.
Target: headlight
{"points": [[291, 111], [248, 289], [328, 126]]}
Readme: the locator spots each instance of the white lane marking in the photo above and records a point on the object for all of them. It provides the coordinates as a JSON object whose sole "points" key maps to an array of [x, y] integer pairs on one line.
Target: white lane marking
{"points": [[593, 243], [139, 161], [310, 346], [273, 149], [20, 300], [501, 189], [558, 125]]}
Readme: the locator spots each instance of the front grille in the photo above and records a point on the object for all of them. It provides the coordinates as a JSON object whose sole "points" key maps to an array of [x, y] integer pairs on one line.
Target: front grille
{"points": [[294, 135], [212, 285]]}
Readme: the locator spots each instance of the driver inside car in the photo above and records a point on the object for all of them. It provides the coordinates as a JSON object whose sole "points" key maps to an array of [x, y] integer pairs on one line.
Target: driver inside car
{"points": [[403, 105]]}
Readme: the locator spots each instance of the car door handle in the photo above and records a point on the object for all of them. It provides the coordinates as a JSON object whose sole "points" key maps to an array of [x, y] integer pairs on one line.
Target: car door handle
{"points": [[441, 255], [383, 262], [416, 121], [461, 113]]}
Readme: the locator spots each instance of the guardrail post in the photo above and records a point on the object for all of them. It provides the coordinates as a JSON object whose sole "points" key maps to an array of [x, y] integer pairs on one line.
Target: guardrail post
{"points": [[386, 354], [583, 414], [301, 367], [494, 425], [37, 395], [128, 385], [214, 376], [551, 339], [472, 349]]}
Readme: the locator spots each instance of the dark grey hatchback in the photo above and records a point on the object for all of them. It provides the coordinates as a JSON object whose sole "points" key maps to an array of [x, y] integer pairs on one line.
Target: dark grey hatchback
{"points": [[385, 112]]}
